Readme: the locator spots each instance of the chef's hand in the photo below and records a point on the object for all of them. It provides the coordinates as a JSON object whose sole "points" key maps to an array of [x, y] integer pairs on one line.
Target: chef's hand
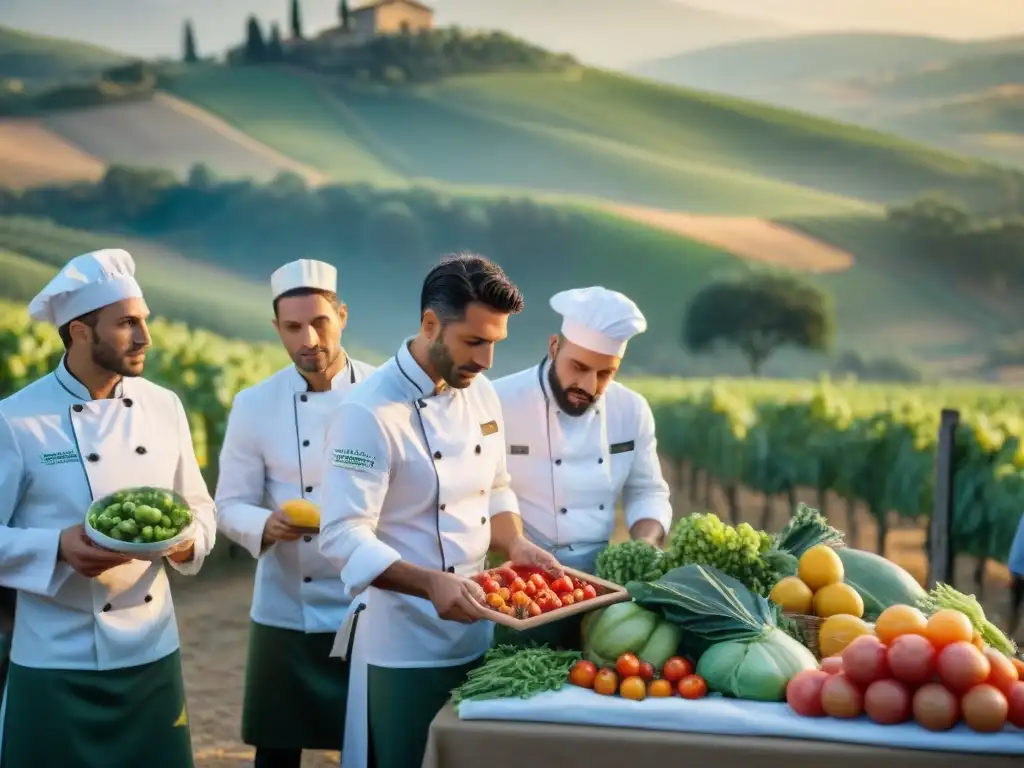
{"points": [[457, 598], [279, 528], [525, 552], [78, 551], [182, 552]]}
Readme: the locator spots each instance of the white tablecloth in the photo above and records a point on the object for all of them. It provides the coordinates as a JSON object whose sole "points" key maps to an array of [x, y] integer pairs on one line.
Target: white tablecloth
{"points": [[715, 714]]}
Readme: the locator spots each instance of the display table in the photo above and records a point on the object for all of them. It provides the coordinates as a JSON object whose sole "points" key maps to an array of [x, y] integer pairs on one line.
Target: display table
{"points": [[557, 729]]}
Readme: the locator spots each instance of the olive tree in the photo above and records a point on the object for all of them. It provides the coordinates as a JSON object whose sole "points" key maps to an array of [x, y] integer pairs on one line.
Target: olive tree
{"points": [[757, 314]]}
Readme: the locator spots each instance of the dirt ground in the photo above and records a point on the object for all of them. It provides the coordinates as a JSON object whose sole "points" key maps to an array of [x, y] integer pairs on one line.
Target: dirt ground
{"points": [[213, 616]]}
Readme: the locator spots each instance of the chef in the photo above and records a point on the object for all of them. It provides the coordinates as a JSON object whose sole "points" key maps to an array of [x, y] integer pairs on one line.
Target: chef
{"points": [[1016, 566], [294, 691], [95, 676], [415, 494], [578, 441]]}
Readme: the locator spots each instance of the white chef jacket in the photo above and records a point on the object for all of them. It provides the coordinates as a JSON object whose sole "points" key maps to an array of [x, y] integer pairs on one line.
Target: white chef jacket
{"points": [[568, 472], [272, 452], [413, 475], [59, 451]]}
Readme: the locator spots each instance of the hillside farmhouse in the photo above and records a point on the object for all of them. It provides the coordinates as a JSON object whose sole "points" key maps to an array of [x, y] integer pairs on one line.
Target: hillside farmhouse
{"points": [[384, 17]]}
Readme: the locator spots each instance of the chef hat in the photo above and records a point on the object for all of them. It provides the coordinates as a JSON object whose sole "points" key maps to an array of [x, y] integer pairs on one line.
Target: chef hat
{"points": [[598, 319], [86, 283], [304, 273]]}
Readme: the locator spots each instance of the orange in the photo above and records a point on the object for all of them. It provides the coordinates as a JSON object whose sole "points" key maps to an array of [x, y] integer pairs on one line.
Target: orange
{"points": [[838, 631], [834, 599], [898, 620], [660, 688], [949, 626]]}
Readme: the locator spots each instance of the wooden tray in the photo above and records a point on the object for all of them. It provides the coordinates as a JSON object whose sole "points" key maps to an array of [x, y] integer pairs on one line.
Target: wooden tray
{"points": [[612, 593]]}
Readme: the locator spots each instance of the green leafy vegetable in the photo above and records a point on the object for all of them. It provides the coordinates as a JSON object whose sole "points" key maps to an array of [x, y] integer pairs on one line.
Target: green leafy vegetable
{"points": [[511, 672], [630, 561], [758, 670], [807, 528]]}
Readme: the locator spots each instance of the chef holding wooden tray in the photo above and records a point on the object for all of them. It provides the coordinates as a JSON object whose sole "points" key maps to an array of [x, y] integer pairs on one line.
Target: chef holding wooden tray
{"points": [[578, 441]]}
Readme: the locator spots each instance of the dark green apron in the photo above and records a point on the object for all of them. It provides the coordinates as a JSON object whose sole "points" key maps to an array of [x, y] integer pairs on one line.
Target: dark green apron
{"points": [[561, 635], [121, 718], [295, 692], [402, 705]]}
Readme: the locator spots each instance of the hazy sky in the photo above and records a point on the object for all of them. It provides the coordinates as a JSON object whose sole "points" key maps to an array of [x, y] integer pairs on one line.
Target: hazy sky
{"points": [[947, 18]]}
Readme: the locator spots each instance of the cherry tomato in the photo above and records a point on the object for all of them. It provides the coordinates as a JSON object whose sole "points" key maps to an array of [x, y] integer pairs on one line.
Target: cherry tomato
{"points": [[530, 589], [578, 596], [567, 598], [505, 594], [534, 609], [577, 583], [490, 586], [494, 600], [628, 665], [583, 673], [633, 688], [538, 580], [561, 584], [516, 585], [546, 602], [508, 610], [676, 668], [660, 688], [646, 671], [606, 682], [589, 593], [693, 687], [507, 576], [555, 602], [520, 598]]}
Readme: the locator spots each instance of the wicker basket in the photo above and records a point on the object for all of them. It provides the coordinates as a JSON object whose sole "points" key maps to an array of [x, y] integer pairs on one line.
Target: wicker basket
{"points": [[810, 626]]}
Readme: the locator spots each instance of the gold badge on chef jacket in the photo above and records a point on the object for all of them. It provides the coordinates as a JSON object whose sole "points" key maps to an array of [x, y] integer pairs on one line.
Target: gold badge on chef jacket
{"points": [[489, 428]]}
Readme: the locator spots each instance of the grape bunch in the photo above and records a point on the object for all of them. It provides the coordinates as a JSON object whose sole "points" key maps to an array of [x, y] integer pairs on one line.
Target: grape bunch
{"points": [[744, 553]]}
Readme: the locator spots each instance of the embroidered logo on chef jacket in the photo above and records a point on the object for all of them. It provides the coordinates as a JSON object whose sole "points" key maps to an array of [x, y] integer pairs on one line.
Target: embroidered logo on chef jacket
{"points": [[625, 447], [58, 457], [489, 428], [347, 458]]}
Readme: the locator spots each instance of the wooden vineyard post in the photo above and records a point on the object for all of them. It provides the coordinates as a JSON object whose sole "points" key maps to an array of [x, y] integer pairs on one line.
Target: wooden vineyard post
{"points": [[940, 543]]}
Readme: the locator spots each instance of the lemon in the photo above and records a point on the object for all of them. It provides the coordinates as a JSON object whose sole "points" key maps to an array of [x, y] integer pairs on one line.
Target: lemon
{"points": [[302, 513], [838, 631], [820, 566], [838, 598], [792, 595]]}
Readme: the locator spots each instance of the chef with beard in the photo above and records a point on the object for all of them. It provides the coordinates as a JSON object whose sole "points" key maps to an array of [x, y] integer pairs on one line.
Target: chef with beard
{"points": [[295, 693], [578, 442]]}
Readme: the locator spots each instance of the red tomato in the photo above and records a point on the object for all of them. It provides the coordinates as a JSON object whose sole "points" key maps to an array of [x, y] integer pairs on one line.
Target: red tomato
{"points": [[577, 583], [628, 665], [505, 594], [561, 584], [606, 682], [583, 673], [935, 708], [833, 665], [530, 589], [841, 698], [1015, 701], [962, 666], [887, 702], [660, 689], [912, 659], [646, 670], [1003, 675], [633, 688], [578, 596], [676, 668], [538, 580], [589, 593], [693, 687], [548, 602], [864, 660], [985, 708], [803, 692], [507, 575], [534, 609], [567, 598]]}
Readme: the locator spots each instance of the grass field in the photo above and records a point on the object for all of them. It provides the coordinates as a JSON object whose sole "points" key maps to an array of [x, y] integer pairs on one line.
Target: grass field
{"points": [[39, 61]]}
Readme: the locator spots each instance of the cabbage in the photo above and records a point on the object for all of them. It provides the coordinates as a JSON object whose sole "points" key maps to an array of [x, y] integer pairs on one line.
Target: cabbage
{"points": [[756, 669], [628, 628]]}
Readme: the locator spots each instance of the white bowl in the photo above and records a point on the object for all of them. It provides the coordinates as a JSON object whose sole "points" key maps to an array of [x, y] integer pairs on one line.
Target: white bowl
{"points": [[150, 550]]}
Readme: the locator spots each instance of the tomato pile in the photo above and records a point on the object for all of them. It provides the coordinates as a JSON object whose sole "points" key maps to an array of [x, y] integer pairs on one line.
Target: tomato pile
{"points": [[929, 670], [523, 592], [636, 680]]}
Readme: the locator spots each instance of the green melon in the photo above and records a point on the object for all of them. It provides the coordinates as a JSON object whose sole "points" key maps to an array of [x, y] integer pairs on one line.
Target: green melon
{"points": [[879, 582]]}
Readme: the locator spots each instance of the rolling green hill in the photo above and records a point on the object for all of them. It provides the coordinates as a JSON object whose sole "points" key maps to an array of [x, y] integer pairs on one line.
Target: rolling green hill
{"points": [[37, 60], [583, 133]]}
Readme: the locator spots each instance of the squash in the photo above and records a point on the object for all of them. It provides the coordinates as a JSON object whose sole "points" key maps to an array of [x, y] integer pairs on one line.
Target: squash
{"points": [[627, 628], [302, 513], [879, 582]]}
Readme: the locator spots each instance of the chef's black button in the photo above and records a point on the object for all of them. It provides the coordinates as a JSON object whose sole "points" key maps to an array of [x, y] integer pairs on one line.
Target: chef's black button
{"points": [[600, 461], [128, 402], [451, 569], [601, 506], [140, 450], [94, 457], [483, 521], [442, 507], [478, 449], [307, 579], [307, 539], [303, 398], [558, 462], [437, 454], [77, 408], [309, 489], [149, 598], [305, 443], [107, 607], [563, 510]]}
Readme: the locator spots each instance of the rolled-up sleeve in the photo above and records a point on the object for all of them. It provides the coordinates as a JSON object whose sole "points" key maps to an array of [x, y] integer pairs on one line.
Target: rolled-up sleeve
{"points": [[28, 556], [190, 484], [503, 498], [241, 481], [356, 476], [645, 495]]}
